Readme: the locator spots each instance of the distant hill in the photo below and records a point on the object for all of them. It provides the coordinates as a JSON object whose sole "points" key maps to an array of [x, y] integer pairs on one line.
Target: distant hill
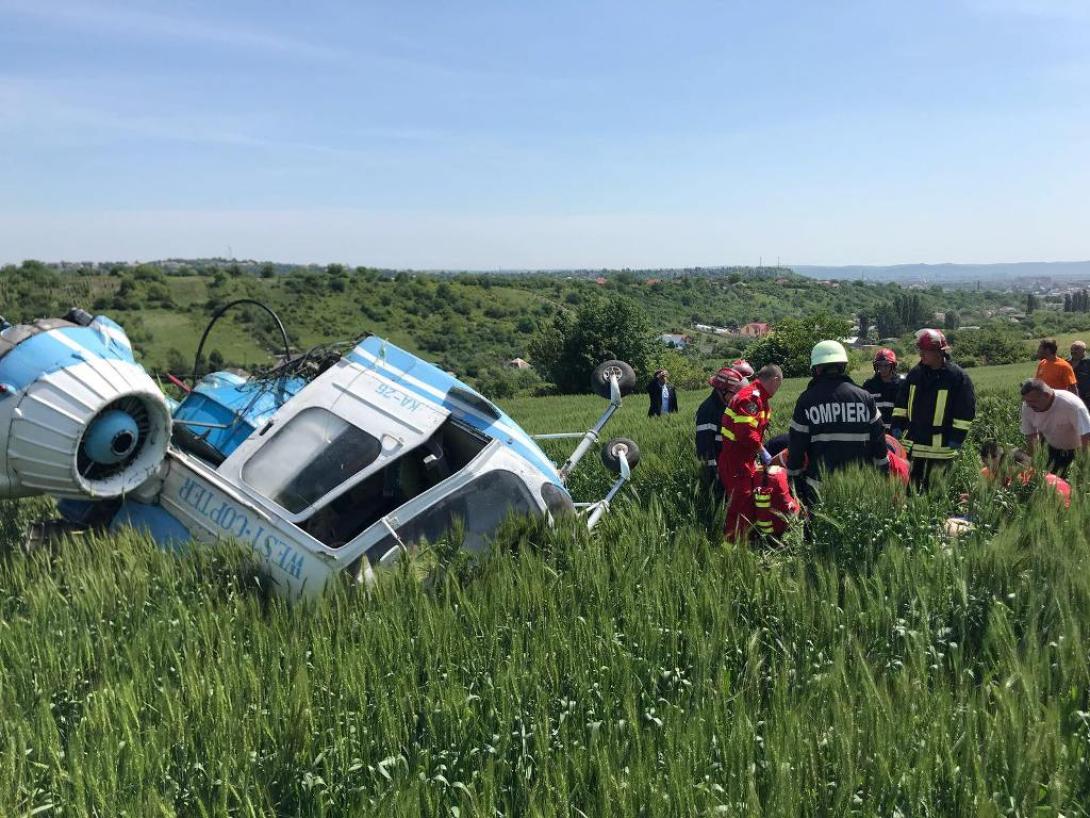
{"points": [[945, 273]]}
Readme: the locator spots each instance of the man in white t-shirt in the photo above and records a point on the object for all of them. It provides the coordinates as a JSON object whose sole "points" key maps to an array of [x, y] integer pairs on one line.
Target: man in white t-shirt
{"points": [[1060, 418]]}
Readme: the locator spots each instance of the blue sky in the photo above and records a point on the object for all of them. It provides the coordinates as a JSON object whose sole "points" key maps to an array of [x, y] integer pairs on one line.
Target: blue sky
{"points": [[497, 135]]}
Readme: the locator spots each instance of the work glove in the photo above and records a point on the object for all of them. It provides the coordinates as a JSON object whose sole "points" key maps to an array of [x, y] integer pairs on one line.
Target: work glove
{"points": [[766, 458]]}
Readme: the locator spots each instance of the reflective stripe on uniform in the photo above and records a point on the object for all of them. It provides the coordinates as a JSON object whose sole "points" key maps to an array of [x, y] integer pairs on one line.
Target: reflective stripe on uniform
{"points": [[961, 425], [936, 440], [707, 427], [711, 463], [727, 433], [900, 412], [933, 452], [841, 437], [798, 427], [929, 454], [737, 418], [911, 399], [940, 407], [924, 447]]}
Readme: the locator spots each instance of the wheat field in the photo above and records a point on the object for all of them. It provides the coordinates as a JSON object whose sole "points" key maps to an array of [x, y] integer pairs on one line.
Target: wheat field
{"points": [[648, 669]]}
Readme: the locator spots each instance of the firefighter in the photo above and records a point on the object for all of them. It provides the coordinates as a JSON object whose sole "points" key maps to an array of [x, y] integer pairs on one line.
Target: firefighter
{"points": [[709, 416], [934, 408], [885, 383], [744, 421], [835, 424]]}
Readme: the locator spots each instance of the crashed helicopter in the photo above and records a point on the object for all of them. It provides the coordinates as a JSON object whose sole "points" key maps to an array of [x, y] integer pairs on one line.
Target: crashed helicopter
{"points": [[337, 460]]}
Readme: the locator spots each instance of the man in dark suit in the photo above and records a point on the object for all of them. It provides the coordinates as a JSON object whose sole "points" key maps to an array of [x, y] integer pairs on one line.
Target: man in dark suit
{"points": [[1081, 364], [662, 394]]}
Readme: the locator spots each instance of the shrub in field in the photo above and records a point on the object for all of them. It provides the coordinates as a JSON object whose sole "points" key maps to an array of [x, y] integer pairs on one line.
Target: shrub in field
{"points": [[790, 344], [989, 346], [568, 348], [687, 370]]}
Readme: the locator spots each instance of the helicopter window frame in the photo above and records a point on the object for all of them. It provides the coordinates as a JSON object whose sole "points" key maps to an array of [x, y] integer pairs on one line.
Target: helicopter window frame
{"points": [[479, 518], [342, 456], [361, 504]]}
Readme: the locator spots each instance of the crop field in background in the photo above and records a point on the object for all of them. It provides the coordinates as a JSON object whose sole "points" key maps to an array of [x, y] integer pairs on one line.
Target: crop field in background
{"points": [[647, 669]]}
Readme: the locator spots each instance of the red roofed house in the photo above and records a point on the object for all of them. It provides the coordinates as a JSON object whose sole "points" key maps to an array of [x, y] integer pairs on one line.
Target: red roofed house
{"points": [[755, 329]]}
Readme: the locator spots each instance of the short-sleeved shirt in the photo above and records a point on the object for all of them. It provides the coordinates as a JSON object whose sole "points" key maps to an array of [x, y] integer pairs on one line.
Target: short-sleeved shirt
{"points": [[1058, 374], [1062, 425]]}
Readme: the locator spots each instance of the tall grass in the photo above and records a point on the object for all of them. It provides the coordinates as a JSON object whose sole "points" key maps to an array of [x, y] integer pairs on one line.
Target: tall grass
{"points": [[648, 669]]}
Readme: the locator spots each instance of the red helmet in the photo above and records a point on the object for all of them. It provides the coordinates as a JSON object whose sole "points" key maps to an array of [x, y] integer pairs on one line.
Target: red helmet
{"points": [[885, 356], [742, 367], [931, 340], [726, 380]]}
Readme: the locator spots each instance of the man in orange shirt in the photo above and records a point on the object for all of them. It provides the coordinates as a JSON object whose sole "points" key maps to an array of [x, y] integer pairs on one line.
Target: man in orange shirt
{"points": [[1054, 371]]}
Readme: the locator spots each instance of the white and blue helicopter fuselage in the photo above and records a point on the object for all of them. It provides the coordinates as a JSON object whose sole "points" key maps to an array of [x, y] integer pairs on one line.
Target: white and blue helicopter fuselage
{"points": [[343, 472]]}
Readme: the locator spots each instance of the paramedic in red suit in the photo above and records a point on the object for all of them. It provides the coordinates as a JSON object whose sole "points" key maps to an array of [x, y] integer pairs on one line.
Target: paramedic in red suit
{"points": [[745, 419], [773, 503]]}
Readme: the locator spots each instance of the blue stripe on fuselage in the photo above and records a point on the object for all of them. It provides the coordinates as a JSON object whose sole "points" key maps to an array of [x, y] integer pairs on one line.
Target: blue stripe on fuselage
{"points": [[44, 353], [395, 363]]}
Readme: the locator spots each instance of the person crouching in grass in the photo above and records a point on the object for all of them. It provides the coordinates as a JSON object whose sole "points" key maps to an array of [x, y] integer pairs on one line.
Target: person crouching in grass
{"points": [[1005, 465], [1059, 418]]}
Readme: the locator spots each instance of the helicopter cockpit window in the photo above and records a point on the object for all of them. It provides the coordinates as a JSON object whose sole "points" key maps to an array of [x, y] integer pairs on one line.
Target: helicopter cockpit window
{"points": [[344, 517], [308, 457], [480, 505]]}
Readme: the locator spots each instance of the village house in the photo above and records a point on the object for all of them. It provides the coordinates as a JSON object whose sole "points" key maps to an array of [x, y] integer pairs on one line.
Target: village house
{"points": [[754, 329]]}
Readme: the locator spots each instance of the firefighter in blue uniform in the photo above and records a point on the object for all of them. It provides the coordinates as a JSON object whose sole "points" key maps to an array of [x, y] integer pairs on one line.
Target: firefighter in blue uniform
{"points": [[835, 424], [709, 419], [935, 406], [884, 385]]}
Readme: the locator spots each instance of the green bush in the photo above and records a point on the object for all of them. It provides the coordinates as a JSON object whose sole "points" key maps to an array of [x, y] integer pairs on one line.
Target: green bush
{"points": [[568, 348], [989, 346], [792, 339]]}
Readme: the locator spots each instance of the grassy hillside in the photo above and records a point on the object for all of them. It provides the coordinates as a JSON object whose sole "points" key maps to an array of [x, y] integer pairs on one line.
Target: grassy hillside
{"points": [[649, 669], [470, 324]]}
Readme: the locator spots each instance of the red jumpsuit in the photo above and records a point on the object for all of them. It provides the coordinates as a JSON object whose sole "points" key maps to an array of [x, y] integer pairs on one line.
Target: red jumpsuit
{"points": [[773, 503], [743, 426]]}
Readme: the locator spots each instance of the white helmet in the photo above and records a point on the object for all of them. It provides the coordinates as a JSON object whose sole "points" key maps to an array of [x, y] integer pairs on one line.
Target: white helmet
{"points": [[828, 352]]}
